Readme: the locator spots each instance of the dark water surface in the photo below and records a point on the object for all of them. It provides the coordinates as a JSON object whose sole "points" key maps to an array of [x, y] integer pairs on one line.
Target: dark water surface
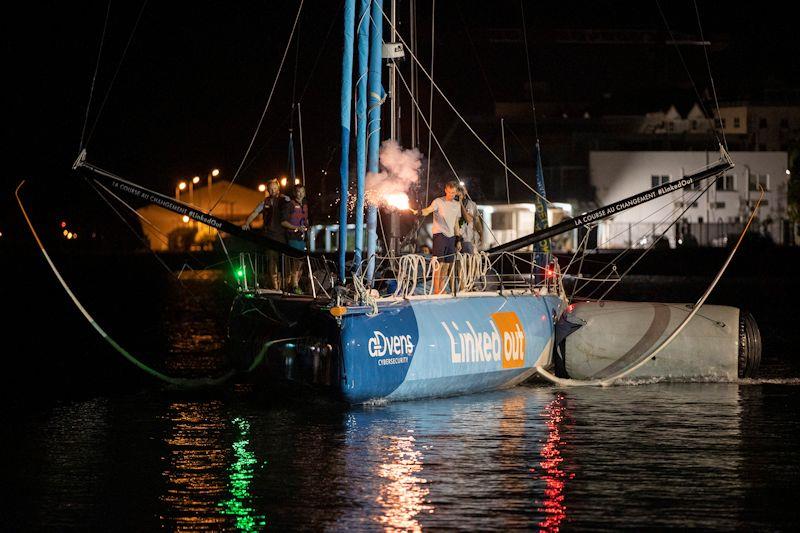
{"points": [[91, 444]]}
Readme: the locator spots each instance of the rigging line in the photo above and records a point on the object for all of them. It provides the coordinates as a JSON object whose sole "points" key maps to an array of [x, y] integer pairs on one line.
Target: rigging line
{"points": [[441, 149], [528, 65], [519, 141], [116, 72], [649, 355], [279, 129], [302, 156], [94, 76], [428, 125], [127, 355], [663, 220], [296, 65], [686, 68], [612, 264], [460, 116], [710, 76], [116, 211], [146, 244], [430, 101], [656, 240], [475, 51], [264, 112], [319, 55], [503, 135], [165, 237]]}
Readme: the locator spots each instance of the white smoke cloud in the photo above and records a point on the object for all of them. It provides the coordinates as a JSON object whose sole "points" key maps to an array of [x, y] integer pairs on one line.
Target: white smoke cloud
{"points": [[400, 172]]}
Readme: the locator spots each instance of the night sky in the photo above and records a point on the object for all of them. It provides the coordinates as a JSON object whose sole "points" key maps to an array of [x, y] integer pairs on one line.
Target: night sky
{"points": [[196, 77]]}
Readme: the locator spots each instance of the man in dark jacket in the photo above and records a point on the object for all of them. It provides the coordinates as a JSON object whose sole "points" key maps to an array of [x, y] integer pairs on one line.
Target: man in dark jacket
{"points": [[271, 209]]}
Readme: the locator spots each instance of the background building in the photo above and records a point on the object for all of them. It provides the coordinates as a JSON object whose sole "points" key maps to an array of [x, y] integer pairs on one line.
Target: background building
{"points": [[709, 218], [171, 232]]}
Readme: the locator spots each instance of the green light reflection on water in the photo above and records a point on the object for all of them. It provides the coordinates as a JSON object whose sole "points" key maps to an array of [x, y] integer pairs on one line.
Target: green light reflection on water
{"points": [[241, 474]]}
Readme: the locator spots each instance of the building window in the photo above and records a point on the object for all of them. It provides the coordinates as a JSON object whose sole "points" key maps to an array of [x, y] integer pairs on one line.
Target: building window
{"points": [[718, 205], [762, 123], [502, 221], [726, 183], [736, 122], [658, 180], [785, 123], [758, 179]]}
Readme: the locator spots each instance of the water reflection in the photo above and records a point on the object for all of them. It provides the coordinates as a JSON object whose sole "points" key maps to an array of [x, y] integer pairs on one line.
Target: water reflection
{"points": [[197, 460], [403, 495], [552, 505], [240, 478]]}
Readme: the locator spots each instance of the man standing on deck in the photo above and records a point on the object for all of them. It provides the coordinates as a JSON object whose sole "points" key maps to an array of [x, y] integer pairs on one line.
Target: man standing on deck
{"points": [[272, 209], [446, 212], [295, 222]]}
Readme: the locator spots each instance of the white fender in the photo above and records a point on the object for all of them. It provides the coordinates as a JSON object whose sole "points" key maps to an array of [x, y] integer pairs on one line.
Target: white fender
{"points": [[615, 335]]}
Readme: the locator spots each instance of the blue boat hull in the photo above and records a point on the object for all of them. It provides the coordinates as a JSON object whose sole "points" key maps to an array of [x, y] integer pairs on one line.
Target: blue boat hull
{"points": [[410, 349]]}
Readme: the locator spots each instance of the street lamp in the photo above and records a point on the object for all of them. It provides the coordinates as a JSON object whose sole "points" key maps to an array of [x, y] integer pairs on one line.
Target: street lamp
{"points": [[195, 181], [180, 187], [212, 174], [263, 188], [283, 181]]}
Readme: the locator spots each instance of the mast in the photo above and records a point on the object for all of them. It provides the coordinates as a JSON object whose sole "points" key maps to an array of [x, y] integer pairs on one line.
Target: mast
{"points": [[361, 127], [347, 94], [374, 125], [394, 216]]}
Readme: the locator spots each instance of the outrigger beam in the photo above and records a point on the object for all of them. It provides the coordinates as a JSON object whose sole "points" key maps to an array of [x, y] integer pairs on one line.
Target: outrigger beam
{"points": [[119, 184], [714, 169]]}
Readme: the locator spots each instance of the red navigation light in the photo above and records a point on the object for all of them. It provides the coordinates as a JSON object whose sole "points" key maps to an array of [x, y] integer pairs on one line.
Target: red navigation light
{"points": [[63, 224], [549, 272]]}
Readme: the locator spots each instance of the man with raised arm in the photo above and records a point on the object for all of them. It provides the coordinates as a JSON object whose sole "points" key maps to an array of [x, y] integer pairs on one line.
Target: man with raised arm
{"points": [[446, 212]]}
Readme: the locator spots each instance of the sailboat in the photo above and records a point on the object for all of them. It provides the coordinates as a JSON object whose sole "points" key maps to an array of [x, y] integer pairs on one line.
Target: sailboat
{"points": [[500, 323]]}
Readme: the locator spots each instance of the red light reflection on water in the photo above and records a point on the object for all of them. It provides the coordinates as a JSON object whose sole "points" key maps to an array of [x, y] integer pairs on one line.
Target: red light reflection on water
{"points": [[555, 478]]}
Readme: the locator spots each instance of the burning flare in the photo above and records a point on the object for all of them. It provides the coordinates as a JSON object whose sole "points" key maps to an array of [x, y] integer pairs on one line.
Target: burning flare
{"points": [[397, 200]]}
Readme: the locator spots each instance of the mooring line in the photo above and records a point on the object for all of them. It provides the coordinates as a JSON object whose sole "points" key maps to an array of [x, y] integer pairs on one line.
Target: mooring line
{"points": [[179, 382], [609, 380]]}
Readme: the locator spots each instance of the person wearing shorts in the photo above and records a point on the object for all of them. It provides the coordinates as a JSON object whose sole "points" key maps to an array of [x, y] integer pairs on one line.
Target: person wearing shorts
{"points": [[446, 211]]}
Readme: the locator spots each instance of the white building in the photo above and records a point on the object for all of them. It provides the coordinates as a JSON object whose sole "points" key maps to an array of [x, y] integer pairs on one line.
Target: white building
{"points": [[616, 175]]}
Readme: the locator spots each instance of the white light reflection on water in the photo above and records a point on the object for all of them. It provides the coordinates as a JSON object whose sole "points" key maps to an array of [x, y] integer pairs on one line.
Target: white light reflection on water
{"points": [[403, 495]]}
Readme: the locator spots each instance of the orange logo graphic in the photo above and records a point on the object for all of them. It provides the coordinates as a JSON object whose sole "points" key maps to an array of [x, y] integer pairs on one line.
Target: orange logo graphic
{"points": [[512, 338]]}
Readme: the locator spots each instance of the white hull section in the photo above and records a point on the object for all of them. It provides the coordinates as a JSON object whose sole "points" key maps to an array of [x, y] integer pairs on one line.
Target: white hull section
{"points": [[616, 335]]}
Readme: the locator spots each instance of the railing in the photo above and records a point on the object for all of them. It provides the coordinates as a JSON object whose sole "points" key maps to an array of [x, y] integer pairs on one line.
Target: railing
{"points": [[616, 235], [413, 275], [409, 276], [273, 272]]}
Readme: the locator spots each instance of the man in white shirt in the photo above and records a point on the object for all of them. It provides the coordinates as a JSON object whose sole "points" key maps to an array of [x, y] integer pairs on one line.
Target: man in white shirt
{"points": [[446, 212]]}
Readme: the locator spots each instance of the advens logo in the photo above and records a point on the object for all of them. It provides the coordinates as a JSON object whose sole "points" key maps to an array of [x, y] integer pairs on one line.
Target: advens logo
{"points": [[397, 347], [500, 339]]}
